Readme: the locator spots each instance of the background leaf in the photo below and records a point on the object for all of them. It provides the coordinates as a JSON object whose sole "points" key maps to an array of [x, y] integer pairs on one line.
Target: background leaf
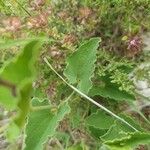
{"points": [[17, 73], [16, 79], [120, 136], [131, 142]]}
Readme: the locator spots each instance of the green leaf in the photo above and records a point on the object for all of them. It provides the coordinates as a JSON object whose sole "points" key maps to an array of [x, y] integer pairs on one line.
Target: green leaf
{"points": [[22, 67], [75, 119], [7, 99], [133, 122], [42, 124], [16, 78], [110, 90], [98, 123], [107, 147], [114, 133], [130, 142], [12, 132], [80, 146], [9, 43], [120, 131], [24, 104], [17, 73], [99, 120], [97, 133], [80, 65], [121, 137]]}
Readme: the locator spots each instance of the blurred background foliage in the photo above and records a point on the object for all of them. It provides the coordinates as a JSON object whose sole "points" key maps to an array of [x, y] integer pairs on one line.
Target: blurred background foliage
{"points": [[122, 58]]}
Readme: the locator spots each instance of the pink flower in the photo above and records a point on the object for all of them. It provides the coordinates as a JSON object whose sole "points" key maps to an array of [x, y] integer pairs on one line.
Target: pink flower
{"points": [[135, 43]]}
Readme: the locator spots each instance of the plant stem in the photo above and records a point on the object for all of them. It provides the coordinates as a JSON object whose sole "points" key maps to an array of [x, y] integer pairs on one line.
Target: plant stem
{"points": [[88, 98]]}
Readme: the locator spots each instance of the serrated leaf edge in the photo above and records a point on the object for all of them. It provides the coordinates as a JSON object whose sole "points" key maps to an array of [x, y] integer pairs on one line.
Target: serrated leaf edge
{"points": [[25, 136], [94, 66]]}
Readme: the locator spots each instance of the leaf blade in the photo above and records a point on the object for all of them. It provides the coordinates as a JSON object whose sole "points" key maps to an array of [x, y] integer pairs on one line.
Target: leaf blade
{"points": [[80, 65]]}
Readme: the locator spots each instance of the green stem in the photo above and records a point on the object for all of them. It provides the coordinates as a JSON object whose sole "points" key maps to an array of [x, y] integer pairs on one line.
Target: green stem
{"points": [[88, 98]]}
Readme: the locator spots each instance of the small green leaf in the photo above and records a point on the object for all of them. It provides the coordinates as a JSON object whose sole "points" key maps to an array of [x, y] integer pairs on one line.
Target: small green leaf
{"points": [[120, 131], [80, 65], [99, 120], [131, 141], [97, 133], [114, 133], [42, 124], [110, 90], [98, 123]]}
